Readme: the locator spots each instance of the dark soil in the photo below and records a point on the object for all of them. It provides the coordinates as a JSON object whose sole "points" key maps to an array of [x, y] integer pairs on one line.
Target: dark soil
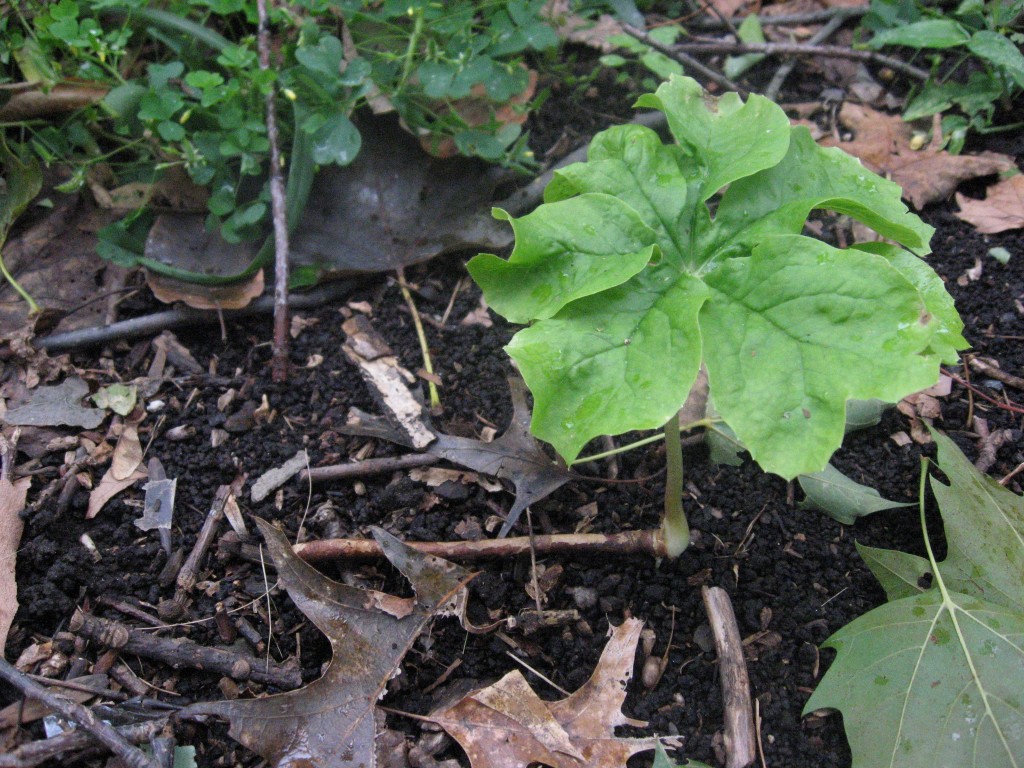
{"points": [[794, 576]]}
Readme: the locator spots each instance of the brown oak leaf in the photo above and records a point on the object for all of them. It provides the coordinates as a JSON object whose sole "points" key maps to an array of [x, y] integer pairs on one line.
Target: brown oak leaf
{"points": [[507, 725], [1002, 208], [331, 722], [882, 142]]}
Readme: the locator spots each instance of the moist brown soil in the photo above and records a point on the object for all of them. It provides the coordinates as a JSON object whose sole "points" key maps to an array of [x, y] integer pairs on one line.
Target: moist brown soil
{"points": [[792, 572]]}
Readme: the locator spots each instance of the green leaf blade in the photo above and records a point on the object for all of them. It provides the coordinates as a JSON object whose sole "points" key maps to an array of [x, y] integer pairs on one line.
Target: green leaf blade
{"points": [[729, 140], [631, 164], [622, 360], [799, 328], [564, 251], [899, 573], [778, 199], [841, 498], [909, 697]]}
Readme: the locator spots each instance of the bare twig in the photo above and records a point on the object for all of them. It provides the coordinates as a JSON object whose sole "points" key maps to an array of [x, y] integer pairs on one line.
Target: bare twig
{"points": [[174, 608], [366, 467], [797, 49], [180, 652], [987, 368], [624, 543], [823, 34], [279, 363], [185, 317], [37, 752], [86, 720], [685, 59], [812, 17], [740, 741]]}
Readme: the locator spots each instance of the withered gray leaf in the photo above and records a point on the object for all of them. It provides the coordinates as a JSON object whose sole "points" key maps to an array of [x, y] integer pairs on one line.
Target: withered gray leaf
{"points": [[58, 405], [330, 722], [516, 456], [395, 205]]}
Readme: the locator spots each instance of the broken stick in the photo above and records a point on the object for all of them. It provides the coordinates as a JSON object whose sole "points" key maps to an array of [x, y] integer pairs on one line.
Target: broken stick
{"points": [[739, 715], [179, 652]]}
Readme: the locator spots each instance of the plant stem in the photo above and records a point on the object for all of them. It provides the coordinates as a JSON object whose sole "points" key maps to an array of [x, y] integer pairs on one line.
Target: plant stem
{"points": [[33, 308], [674, 528], [705, 423], [428, 365], [414, 41]]}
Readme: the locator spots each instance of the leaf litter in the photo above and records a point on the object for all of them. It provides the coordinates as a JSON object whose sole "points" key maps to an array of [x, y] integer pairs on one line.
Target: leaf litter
{"points": [[333, 722]]}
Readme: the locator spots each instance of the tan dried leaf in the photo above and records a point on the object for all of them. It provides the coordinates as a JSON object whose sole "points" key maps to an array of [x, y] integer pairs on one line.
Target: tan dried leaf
{"points": [[108, 488], [127, 454], [1002, 208], [506, 725], [882, 142], [12, 501]]}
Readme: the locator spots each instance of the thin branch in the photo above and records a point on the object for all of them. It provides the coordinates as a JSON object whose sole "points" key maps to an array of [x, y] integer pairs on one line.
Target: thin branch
{"points": [[624, 543], [685, 59], [84, 717], [366, 467], [279, 362], [823, 34], [740, 740], [797, 49], [813, 17], [185, 317]]}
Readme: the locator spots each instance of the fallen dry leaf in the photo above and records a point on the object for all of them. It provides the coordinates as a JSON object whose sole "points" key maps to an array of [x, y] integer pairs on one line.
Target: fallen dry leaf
{"points": [[12, 501], [128, 452], [57, 405], [1002, 208], [330, 722], [577, 29], [507, 725], [882, 142], [108, 488]]}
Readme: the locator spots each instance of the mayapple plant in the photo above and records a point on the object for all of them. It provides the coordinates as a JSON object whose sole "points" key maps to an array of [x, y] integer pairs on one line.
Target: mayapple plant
{"points": [[630, 281]]}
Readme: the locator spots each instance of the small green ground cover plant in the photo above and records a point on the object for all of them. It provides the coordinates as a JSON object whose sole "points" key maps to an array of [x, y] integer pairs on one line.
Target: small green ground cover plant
{"points": [[935, 676], [178, 84], [975, 52], [650, 259]]}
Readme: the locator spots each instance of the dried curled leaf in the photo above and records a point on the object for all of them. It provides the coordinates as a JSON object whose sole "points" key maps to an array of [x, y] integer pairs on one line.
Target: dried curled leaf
{"points": [[330, 722], [507, 725]]}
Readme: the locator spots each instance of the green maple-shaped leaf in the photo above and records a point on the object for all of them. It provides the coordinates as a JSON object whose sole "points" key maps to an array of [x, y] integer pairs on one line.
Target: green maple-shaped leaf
{"points": [[935, 678], [630, 284]]}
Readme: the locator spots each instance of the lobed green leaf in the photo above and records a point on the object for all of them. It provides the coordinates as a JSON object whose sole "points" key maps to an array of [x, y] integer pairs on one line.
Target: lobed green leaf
{"points": [[630, 284]]}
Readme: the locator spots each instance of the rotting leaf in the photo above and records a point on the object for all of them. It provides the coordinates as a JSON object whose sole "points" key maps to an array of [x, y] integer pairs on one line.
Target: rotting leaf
{"points": [[516, 456], [108, 488], [330, 722], [508, 725], [841, 498], [57, 405], [394, 206]]}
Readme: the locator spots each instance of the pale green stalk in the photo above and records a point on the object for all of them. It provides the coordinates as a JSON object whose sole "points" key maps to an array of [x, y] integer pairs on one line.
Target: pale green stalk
{"points": [[675, 530]]}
